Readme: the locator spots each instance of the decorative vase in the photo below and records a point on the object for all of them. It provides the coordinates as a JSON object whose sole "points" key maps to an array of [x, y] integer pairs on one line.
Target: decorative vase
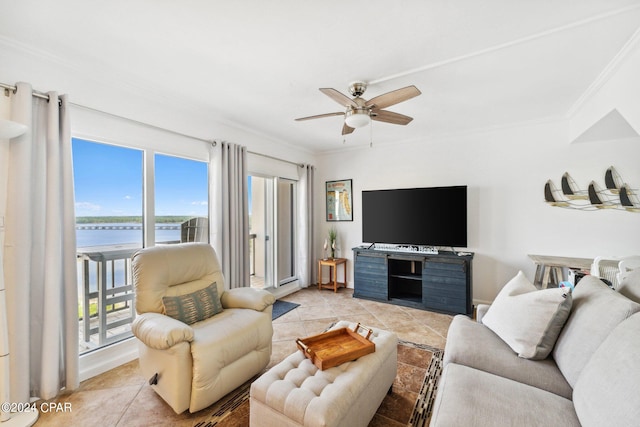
{"points": [[332, 241]]}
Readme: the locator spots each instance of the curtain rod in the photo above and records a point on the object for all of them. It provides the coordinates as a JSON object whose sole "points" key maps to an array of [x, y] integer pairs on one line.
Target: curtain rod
{"points": [[43, 95], [35, 93], [213, 142]]}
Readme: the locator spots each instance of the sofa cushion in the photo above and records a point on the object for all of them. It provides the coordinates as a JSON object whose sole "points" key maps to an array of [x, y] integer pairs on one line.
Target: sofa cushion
{"points": [[193, 307], [597, 310], [608, 389], [630, 286], [528, 319], [470, 397], [472, 344]]}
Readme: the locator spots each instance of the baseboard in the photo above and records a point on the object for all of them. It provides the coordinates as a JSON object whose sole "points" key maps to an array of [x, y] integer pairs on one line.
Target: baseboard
{"points": [[106, 358], [284, 290]]}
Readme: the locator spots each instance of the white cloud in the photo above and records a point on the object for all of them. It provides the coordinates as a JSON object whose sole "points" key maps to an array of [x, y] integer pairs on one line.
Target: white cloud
{"points": [[200, 203], [87, 207], [128, 197]]}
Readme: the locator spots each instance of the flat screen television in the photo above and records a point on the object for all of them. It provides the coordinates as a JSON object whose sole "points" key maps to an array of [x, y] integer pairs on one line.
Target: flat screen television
{"points": [[432, 216]]}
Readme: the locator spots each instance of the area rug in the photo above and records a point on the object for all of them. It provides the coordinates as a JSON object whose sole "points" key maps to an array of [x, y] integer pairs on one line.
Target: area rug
{"points": [[282, 307], [423, 407], [409, 403]]}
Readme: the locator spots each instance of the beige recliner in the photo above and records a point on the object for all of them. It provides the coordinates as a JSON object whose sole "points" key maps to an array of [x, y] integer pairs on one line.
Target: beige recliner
{"points": [[193, 365]]}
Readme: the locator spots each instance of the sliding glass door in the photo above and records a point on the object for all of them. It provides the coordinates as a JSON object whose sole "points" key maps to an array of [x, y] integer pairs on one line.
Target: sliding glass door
{"points": [[285, 225], [272, 202], [260, 232]]}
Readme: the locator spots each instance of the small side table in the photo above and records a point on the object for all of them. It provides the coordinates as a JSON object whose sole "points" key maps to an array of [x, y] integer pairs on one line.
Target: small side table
{"points": [[550, 269], [333, 264]]}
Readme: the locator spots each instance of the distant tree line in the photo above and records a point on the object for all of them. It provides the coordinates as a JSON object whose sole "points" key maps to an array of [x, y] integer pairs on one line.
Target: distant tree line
{"points": [[129, 219]]}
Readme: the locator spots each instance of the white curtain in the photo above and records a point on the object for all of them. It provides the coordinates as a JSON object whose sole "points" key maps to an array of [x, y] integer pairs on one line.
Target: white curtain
{"points": [[235, 215], [39, 250], [306, 254]]}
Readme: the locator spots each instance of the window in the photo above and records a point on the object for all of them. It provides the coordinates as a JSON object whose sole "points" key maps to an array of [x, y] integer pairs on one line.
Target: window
{"points": [[108, 191], [110, 226], [181, 200]]}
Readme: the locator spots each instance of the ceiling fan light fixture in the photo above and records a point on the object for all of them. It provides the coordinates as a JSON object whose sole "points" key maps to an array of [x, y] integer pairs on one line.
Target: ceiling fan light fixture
{"points": [[357, 118]]}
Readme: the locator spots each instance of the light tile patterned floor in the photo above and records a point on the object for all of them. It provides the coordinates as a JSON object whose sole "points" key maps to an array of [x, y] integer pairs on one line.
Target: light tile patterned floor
{"points": [[121, 397]]}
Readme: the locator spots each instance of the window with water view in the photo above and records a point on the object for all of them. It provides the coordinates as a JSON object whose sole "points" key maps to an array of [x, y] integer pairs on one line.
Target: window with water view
{"points": [[109, 192]]}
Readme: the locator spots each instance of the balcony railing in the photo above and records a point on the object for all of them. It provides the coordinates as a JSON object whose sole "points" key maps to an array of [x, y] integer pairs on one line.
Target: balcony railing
{"points": [[107, 306]]}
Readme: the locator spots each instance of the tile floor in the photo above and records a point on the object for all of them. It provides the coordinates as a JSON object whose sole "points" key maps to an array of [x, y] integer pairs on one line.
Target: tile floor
{"points": [[121, 397]]}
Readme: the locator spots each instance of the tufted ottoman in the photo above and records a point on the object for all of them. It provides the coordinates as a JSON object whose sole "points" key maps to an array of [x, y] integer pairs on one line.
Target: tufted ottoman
{"points": [[296, 393]]}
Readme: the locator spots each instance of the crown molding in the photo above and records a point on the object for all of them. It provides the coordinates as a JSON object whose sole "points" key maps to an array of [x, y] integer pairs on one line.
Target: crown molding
{"points": [[505, 45], [606, 74]]}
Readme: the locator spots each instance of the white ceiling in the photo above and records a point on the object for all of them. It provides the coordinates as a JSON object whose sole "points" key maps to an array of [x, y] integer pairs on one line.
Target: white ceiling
{"points": [[258, 64]]}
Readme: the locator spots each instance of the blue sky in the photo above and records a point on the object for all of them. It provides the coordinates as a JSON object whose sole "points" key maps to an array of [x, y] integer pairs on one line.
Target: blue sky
{"points": [[108, 182]]}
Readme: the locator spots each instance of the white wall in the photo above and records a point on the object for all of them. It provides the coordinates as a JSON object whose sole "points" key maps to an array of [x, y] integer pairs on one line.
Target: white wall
{"points": [[505, 171], [617, 88]]}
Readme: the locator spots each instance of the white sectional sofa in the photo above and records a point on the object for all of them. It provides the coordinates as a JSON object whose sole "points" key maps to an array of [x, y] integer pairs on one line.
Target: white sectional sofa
{"points": [[590, 378]]}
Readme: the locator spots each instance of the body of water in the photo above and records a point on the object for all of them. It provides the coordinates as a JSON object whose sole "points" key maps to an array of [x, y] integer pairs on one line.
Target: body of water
{"points": [[112, 234], [105, 234]]}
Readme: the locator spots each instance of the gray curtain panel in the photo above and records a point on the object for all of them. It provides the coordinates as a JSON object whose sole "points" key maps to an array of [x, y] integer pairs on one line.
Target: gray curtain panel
{"points": [[40, 250], [235, 215], [306, 242]]}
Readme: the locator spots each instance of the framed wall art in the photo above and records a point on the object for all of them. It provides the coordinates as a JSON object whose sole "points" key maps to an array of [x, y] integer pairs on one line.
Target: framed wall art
{"points": [[339, 200]]}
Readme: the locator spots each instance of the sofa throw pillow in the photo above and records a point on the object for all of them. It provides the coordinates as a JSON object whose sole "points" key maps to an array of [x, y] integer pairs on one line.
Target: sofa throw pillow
{"points": [[596, 311], [529, 320], [193, 307]]}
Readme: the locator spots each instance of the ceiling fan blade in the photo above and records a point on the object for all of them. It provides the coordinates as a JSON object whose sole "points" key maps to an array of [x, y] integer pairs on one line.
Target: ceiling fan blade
{"points": [[339, 97], [347, 129], [391, 117], [394, 97], [319, 116]]}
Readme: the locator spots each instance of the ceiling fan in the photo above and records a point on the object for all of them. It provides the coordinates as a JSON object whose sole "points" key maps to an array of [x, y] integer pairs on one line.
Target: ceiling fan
{"points": [[359, 112]]}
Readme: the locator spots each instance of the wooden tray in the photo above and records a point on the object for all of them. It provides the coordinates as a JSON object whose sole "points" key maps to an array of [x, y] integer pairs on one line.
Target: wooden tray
{"points": [[336, 347]]}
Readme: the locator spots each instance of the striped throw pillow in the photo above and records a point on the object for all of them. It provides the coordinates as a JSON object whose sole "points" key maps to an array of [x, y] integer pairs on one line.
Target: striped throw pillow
{"points": [[194, 307]]}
